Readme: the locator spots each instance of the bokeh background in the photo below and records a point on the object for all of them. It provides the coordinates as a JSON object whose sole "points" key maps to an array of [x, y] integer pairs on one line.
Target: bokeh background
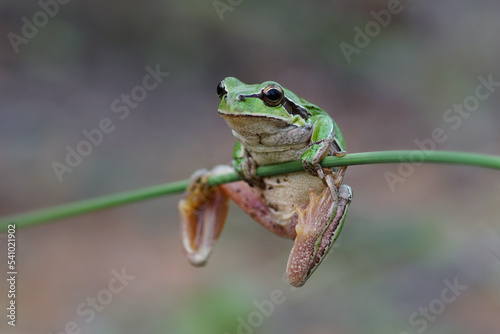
{"points": [[400, 245]]}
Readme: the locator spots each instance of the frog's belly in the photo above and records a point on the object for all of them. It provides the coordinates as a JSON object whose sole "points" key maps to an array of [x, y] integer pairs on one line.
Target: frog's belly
{"points": [[285, 192]]}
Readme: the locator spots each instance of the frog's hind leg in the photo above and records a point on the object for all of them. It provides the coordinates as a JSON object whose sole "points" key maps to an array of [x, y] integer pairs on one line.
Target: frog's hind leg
{"points": [[203, 213], [318, 226], [251, 200], [204, 209]]}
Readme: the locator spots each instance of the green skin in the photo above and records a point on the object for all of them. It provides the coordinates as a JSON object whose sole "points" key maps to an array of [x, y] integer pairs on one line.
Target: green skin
{"points": [[323, 126], [273, 125]]}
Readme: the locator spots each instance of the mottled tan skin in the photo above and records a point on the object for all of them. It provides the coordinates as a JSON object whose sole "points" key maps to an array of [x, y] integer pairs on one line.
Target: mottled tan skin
{"points": [[309, 206]]}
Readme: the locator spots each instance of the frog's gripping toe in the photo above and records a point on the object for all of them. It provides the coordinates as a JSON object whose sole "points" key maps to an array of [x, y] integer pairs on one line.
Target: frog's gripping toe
{"points": [[203, 212]]}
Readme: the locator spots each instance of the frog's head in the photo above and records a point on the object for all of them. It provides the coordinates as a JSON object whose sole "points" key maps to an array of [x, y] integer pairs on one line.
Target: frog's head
{"points": [[265, 107]]}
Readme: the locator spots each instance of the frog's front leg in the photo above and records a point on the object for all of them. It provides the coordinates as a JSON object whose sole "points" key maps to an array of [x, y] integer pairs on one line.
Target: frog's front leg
{"points": [[245, 166], [323, 143], [318, 226]]}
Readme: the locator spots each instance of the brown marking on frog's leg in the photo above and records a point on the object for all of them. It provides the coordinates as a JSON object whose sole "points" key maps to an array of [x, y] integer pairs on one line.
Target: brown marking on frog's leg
{"points": [[252, 202], [339, 176], [333, 230], [203, 213], [311, 223], [318, 226]]}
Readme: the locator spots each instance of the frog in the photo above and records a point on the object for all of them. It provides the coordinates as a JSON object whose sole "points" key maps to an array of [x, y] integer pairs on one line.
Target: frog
{"points": [[272, 125]]}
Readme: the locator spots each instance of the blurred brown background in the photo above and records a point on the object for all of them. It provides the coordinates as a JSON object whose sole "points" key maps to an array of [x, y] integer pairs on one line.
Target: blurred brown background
{"points": [[402, 246]]}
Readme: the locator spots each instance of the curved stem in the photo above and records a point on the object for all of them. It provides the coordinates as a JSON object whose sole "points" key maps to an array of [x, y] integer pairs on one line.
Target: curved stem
{"points": [[104, 202]]}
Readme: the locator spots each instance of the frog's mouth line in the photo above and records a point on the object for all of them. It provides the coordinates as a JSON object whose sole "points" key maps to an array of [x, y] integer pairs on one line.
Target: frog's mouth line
{"points": [[263, 121], [223, 114]]}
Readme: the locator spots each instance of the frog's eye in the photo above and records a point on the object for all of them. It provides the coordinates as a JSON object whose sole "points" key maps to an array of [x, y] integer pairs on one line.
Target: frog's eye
{"points": [[221, 90], [273, 95]]}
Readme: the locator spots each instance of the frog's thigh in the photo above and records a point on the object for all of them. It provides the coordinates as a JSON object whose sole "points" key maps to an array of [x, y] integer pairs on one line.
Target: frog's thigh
{"points": [[251, 201]]}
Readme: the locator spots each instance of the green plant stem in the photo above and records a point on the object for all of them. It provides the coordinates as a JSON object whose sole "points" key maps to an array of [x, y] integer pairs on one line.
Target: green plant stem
{"points": [[104, 202]]}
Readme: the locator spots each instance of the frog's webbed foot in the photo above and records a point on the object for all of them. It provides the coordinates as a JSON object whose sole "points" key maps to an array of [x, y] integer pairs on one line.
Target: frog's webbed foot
{"points": [[203, 213], [318, 226]]}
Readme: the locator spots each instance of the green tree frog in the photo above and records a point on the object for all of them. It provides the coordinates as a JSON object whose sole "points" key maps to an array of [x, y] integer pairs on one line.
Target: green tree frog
{"points": [[272, 125]]}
